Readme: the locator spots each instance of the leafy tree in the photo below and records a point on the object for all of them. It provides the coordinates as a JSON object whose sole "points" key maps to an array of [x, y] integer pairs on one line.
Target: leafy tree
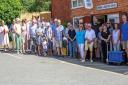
{"points": [[10, 9], [27, 4], [40, 5]]}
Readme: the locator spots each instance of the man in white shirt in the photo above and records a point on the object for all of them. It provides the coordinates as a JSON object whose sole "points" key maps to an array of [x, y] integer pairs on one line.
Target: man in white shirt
{"points": [[89, 37]]}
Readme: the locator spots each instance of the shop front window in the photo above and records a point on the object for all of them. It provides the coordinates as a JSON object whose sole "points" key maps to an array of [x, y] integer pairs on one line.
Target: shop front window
{"points": [[76, 21], [114, 18]]}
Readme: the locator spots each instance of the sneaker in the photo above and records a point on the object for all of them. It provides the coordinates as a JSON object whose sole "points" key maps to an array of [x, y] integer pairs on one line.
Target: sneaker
{"points": [[91, 61], [82, 61], [126, 73], [18, 52], [5, 50]]}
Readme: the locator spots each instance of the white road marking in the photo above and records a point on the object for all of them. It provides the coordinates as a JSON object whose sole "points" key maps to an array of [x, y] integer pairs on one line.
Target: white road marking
{"points": [[14, 56], [94, 69]]}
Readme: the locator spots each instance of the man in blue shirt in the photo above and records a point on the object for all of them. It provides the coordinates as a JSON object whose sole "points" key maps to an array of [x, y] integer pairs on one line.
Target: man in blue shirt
{"points": [[124, 30], [59, 37], [54, 26]]}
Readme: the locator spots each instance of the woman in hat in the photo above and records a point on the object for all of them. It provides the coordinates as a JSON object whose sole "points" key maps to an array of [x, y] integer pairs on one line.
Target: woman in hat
{"points": [[18, 35]]}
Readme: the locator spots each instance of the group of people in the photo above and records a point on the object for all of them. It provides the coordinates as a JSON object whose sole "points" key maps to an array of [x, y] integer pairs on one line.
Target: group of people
{"points": [[47, 38]]}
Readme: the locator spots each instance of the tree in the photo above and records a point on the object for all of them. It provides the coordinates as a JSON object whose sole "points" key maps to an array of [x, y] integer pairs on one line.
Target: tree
{"points": [[27, 4], [10, 9], [40, 5]]}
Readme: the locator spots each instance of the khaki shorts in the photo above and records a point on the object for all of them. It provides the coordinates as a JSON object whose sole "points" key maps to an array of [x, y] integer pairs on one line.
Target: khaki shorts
{"points": [[125, 44], [59, 44], [88, 46], [96, 43]]}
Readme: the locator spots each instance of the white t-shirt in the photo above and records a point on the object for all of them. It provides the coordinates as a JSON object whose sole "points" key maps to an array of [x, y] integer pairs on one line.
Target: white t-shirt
{"points": [[18, 28], [90, 34]]}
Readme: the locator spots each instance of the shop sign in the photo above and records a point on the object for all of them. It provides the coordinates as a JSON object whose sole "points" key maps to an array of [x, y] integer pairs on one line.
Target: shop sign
{"points": [[107, 6]]}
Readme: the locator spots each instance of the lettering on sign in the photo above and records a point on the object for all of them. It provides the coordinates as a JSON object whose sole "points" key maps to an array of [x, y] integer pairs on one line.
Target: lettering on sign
{"points": [[107, 6]]}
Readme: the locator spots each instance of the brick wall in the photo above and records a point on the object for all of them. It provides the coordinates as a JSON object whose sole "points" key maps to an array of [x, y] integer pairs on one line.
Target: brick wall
{"points": [[61, 9], [122, 7]]}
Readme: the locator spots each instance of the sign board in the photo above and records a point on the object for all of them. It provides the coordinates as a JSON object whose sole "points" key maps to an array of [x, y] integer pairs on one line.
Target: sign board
{"points": [[107, 6], [88, 4]]}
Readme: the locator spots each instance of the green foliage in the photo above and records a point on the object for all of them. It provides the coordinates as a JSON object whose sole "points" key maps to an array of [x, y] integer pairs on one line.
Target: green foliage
{"points": [[10, 9], [27, 4], [65, 24], [40, 5]]}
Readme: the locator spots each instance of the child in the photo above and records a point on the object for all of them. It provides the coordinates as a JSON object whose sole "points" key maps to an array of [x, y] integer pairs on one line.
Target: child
{"points": [[45, 46]]}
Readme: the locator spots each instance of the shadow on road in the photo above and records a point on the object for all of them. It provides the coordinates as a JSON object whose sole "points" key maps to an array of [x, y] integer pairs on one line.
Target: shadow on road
{"points": [[122, 69], [97, 65]]}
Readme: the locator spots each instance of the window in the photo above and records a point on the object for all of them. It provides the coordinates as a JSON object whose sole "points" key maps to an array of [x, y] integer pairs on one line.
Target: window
{"points": [[77, 3], [74, 3], [80, 2], [114, 18], [76, 21], [88, 4]]}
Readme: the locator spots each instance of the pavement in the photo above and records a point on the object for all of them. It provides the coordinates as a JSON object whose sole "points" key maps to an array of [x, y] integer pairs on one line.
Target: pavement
{"points": [[33, 70]]}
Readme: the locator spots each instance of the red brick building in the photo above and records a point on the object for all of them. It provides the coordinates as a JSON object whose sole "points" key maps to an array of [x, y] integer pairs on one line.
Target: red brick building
{"points": [[73, 10]]}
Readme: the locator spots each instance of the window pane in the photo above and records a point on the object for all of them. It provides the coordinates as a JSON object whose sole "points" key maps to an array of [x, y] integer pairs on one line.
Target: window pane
{"points": [[88, 1], [74, 3], [80, 3], [89, 4]]}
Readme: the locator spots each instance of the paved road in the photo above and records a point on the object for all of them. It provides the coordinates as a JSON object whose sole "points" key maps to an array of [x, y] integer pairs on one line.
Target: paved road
{"points": [[32, 70]]}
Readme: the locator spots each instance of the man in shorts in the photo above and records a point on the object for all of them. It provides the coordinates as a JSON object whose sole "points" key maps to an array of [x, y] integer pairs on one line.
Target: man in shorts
{"points": [[59, 37], [124, 30], [90, 38]]}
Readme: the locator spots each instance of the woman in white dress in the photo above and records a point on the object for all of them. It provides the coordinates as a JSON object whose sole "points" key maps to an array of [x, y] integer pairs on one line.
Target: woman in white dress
{"points": [[23, 34], [116, 38], [4, 31]]}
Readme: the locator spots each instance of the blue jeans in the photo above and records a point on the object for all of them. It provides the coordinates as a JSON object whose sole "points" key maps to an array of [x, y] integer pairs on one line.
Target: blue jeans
{"points": [[72, 48]]}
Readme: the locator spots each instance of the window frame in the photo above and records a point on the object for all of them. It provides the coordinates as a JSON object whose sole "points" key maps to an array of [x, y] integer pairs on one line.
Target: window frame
{"points": [[77, 4]]}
